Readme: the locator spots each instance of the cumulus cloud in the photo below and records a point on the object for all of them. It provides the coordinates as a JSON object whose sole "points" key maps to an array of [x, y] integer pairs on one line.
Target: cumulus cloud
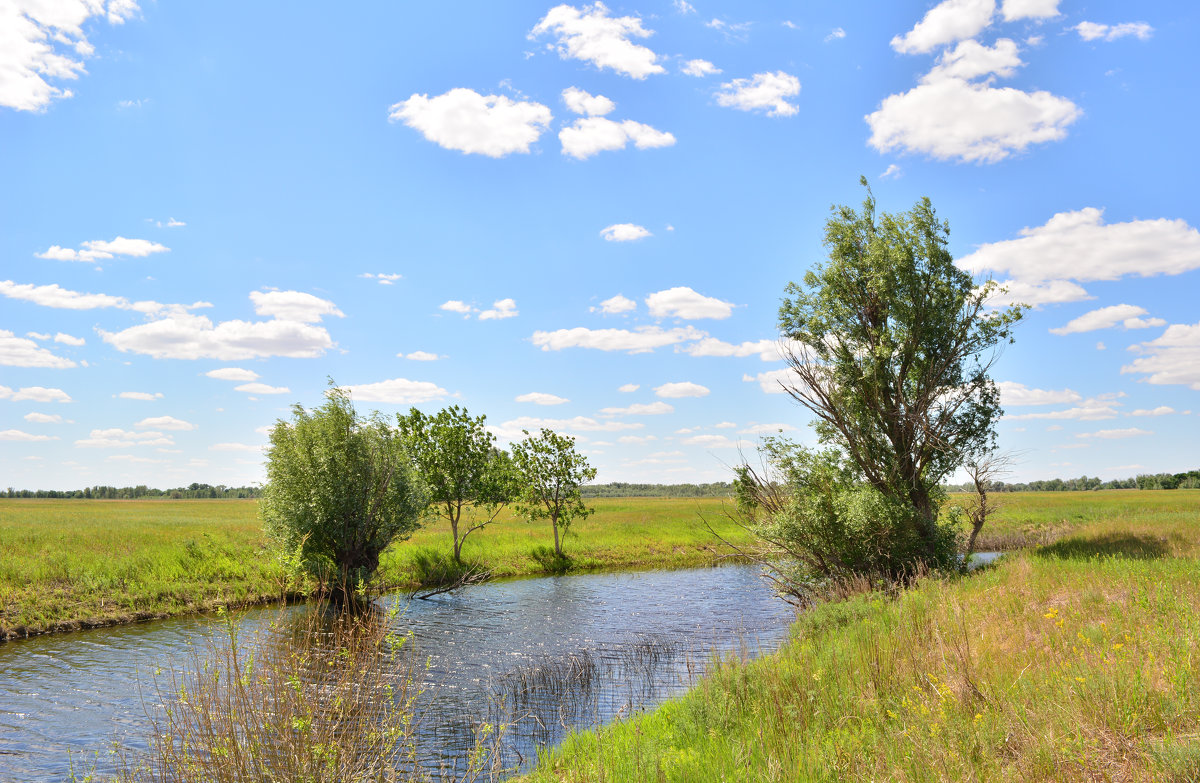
{"points": [[23, 437], [590, 34], [261, 388], [683, 302], [1091, 31], [639, 409], [233, 374], [501, 308], [765, 429], [1092, 409], [583, 102], [643, 339], [1029, 9], [23, 352], [1080, 246], [144, 396], [456, 306], [383, 278], [166, 423], [464, 120], [763, 92], [1124, 315], [681, 389], [398, 391], [513, 428], [771, 381], [624, 232], [50, 418], [60, 298], [1038, 293], [116, 438], [710, 442], [836, 34], [1128, 432], [588, 136], [615, 305], [1171, 358], [420, 356], [541, 398], [293, 306], [1161, 410], [187, 336], [67, 339], [98, 249], [1013, 393], [700, 68], [249, 447], [628, 387], [971, 59], [767, 350], [947, 22]]}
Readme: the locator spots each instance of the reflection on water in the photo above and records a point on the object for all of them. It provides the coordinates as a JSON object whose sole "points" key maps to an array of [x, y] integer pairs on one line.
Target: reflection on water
{"points": [[545, 654]]}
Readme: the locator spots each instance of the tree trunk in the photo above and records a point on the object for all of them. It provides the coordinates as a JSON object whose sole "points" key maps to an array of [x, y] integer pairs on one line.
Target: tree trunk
{"points": [[557, 545]]}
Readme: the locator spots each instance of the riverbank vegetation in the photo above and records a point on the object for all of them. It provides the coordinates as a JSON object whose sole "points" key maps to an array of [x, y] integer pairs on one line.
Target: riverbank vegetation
{"points": [[1077, 659]]}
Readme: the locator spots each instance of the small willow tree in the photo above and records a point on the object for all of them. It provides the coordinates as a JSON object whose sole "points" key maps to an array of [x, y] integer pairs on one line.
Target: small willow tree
{"points": [[340, 489], [551, 473]]}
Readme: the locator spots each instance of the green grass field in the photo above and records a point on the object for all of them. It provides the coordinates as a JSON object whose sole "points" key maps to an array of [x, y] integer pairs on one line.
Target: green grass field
{"points": [[1078, 659], [72, 563]]}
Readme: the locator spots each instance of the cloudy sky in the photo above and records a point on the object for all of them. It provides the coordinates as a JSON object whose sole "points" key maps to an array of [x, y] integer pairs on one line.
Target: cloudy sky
{"points": [[574, 216]]}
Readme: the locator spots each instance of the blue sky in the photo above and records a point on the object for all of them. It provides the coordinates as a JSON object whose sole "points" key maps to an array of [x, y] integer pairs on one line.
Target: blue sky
{"points": [[575, 216]]}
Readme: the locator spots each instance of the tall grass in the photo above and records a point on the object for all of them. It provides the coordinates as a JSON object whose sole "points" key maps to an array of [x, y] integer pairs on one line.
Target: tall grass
{"points": [[1079, 660]]}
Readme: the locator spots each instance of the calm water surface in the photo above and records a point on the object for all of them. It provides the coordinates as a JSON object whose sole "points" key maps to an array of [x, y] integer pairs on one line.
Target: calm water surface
{"points": [[552, 653]]}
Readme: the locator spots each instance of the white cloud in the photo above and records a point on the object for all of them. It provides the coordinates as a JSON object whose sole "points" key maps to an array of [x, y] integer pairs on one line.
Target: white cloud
{"points": [[628, 387], [684, 7], [399, 391], [1080, 246], [34, 393], [624, 232], [1091, 31], [464, 120], [261, 388], [591, 35], [639, 409], [700, 68], [67, 339], [1128, 432], [836, 34], [501, 308], [971, 59], [767, 429], [233, 374], [293, 306], [38, 335], [770, 380], [763, 91], [635, 440], [512, 428], [456, 306], [187, 336], [1013, 393], [767, 350], [383, 278], [145, 396], [116, 438], [542, 398], [591, 135], [166, 423], [23, 352], [974, 122], [1171, 358], [42, 44], [1029, 9], [583, 102], [1107, 317], [24, 437], [420, 356], [683, 302], [643, 339], [681, 389], [97, 249], [948, 21], [63, 299], [249, 447], [1037, 293], [616, 304], [1092, 409], [724, 425], [1161, 410], [45, 418], [891, 172], [710, 442]]}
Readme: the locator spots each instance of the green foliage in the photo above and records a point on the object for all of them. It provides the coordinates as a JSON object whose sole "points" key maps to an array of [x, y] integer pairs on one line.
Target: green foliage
{"points": [[465, 472], [551, 562], [341, 489], [890, 346], [551, 473]]}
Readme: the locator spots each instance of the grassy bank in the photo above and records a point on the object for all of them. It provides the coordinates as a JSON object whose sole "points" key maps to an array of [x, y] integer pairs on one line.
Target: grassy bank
{"points": [[1075, 660], [77, 563]]}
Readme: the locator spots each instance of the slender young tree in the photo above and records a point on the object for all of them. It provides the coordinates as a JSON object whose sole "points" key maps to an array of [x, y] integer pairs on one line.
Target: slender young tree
{"points": [[469, 479], [551, 473], [340, 489]]}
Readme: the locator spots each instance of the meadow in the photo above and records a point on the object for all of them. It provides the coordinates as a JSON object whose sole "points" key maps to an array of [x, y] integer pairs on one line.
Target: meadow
{"points": [[67, 564], [1076, 658]]}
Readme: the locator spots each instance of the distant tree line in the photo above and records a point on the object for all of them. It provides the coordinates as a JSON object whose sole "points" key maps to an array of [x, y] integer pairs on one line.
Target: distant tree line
{"points": [[102, 492], [1188, 480], [621, 489]]}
